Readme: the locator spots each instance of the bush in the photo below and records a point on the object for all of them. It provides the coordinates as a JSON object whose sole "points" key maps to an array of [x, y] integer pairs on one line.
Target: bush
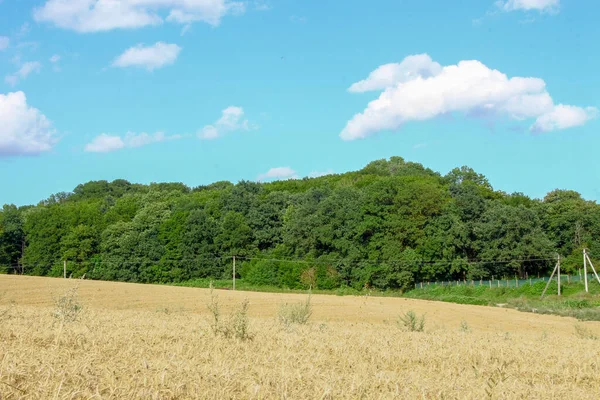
{"points": [[412, 322], [298, 313]]}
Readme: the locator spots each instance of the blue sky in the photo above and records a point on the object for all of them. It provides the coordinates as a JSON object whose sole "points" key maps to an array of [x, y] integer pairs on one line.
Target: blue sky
{"points": [[197, 91]]}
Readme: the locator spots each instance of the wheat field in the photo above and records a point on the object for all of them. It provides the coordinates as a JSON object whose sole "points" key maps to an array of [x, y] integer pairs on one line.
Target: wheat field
{"points": [[155, 342]]}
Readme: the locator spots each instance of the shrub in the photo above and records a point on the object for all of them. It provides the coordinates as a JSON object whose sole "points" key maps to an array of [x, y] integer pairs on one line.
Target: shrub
{"points": [[298, 313], [412, 322]]}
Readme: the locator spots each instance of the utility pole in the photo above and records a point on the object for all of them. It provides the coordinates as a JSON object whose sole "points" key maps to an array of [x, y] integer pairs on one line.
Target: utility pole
{"points": [[559, 274], [592, 265], [585, 269], [233, 272], [65, 269], [556, 268]]}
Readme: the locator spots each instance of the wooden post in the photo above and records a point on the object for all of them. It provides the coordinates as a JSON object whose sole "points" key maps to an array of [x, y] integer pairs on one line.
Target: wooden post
{"points": [[558, 266], [593, 269], [233, 272], [65, 269], [568, 278], [585, 269], [529, 281], [516, 282], [421, 285], [490, 284], [549, 280]]}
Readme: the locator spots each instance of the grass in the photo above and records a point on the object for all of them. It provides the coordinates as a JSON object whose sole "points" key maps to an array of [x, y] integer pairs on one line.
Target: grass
{"points": [[120, 347], [574, 302]]}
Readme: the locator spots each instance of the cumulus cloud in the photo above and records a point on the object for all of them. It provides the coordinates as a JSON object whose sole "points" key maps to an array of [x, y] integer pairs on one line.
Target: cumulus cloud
{"points": [[389, 74], [427, 91], [150, 57], [104, 15], [23, 72], [55, 58], [232, 119], [562, 117], [278, 173], [24, 130], [4, 42], [105, 143], [526, 5]]}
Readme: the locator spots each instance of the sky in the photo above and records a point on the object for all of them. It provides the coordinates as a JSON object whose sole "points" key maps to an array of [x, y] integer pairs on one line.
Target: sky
{"points": [[198, 91]]}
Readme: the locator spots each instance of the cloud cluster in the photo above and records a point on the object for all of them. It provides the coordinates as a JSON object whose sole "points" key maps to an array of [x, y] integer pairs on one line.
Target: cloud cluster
{"points": [[539, 5], [232, 119], [278, 173], [23, 72], [150, 57], [419, 89], [24, 130], [104, 15], [105, 143]]}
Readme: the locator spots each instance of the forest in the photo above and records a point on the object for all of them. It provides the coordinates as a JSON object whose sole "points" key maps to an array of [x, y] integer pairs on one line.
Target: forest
{"points": [[386, 226]]}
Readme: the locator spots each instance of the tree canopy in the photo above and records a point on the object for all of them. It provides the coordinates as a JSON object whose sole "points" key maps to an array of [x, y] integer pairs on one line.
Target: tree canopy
{"points": [[388, 225]]}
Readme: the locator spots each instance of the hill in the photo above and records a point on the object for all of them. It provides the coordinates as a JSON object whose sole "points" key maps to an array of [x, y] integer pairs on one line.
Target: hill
{"points": [[385, 226]]}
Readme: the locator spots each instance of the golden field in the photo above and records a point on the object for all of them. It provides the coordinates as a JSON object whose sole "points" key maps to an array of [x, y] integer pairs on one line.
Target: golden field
{"points": [[155, 342]]}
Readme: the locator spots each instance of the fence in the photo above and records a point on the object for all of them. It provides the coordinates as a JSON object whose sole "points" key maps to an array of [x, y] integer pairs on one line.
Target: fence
{"points": [[515, 283]]}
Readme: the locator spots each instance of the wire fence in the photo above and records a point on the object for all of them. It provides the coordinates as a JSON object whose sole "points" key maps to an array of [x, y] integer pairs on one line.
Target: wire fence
{"points": [[508, 283]]}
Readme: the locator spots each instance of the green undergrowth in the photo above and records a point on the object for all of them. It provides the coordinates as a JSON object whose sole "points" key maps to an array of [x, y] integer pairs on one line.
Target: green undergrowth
{"points": [[573, 302]]}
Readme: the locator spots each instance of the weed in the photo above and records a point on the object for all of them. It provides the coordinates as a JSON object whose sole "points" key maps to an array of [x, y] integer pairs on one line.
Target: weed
{"points": [[237, 326], [67, 307], [464, 327], [298, 313], [412, 322], [239, 323]]}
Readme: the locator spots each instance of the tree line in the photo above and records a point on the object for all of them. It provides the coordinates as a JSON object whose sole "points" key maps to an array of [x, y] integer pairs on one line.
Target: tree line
{"points": [[387, 226]]}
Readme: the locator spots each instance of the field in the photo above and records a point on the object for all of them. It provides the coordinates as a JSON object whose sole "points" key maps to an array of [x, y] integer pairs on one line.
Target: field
{"points": [[155, 342]]}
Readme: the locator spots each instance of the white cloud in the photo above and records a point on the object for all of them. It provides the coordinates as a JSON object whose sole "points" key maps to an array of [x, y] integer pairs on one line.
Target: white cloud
{"points": [[278, 173], [526, 5], [390, 74], [4, 42], [104, 143], [24, 130], [104, 15], [150, 57], [562, 117], [232, 119], [23, 72], [468, 87], [55, 58]]}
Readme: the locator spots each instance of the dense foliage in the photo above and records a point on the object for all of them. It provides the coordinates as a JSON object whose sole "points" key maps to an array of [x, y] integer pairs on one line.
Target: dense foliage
{"points": [[387, 226]]}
